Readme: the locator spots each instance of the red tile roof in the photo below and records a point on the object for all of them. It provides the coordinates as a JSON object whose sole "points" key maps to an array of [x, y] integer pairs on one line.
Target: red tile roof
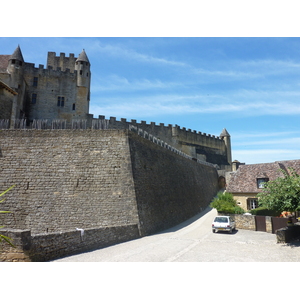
{"points": [[244, 180]]}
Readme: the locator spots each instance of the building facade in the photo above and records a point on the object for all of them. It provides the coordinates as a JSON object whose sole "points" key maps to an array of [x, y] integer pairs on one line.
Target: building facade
{"points": [[248, 180], [59, 91]]}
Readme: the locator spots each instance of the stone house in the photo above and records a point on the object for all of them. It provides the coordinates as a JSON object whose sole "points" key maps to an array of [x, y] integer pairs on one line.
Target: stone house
{"points": [[248, 180]]}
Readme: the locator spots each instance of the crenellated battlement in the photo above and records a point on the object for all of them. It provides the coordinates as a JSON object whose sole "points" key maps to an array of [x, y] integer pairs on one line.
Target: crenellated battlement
{"points": [[176, 128], [50, 71], [199, 145], [62, 61]]}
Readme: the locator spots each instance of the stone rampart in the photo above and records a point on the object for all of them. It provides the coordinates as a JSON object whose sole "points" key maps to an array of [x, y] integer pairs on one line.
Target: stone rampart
{"points": [[92, 180], [66, 179], [169, 187], [199, 145]]}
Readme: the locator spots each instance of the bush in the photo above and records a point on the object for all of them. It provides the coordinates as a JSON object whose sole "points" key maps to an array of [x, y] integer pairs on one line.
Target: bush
{"points": [[283, 193], [225, 203], [263, 211]]}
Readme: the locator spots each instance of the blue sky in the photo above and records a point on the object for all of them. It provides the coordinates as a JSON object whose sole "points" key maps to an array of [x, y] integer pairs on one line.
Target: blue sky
{"points": [[250, 86]]}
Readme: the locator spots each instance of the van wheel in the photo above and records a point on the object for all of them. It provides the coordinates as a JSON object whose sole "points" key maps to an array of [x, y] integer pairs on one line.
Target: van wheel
{"points": [[214, 231]]}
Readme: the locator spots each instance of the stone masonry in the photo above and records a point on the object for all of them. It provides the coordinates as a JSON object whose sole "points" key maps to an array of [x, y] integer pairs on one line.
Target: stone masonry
{"points": [[95, 179]]}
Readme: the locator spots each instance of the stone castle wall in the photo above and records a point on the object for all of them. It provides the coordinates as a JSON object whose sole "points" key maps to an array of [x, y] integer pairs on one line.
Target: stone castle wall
{"points": [[169, 187], [199, 145], [5, 104], [93, 179], [66, 179]]}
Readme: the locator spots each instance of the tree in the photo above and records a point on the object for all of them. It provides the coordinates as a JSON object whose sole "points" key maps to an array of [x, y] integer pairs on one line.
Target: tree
{"points": [[225, 203], [3, 237], [282, 194]]}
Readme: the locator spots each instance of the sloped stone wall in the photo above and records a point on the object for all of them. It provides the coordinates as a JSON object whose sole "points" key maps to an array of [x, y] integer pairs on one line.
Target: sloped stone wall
{"points": [[169, 188], [94, 180]]}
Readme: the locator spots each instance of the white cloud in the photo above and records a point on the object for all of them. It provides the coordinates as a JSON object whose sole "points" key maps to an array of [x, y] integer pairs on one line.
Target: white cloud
{"points": [[246, 135], [292, 142], [118, 83], [264, 155], [196, 104], [130, 54]]}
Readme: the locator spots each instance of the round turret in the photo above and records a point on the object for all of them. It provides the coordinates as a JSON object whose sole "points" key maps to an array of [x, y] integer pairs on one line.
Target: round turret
{"points": [[226, 137], [15, 67], [82, 65], [81, 106]]}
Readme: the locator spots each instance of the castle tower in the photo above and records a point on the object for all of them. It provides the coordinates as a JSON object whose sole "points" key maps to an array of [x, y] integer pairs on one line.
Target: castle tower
{"points": [[16, 68], [226, 137], [82, 65]]}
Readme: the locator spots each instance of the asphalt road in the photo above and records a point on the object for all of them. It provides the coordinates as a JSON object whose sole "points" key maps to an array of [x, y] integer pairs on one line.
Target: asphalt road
{"points": [[193, 241]]}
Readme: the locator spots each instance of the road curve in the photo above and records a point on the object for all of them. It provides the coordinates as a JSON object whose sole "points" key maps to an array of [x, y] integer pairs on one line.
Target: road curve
{"points": [[193, 241]]}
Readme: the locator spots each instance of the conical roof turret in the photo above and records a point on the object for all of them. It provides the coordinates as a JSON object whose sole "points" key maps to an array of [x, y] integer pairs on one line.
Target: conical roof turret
{"points": [[82, 57], [224, 133], [17, 55]]}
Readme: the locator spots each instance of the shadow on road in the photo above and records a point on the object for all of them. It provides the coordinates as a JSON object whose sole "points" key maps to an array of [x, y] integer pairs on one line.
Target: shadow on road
{"points": [[227, 232], [293, 244], [187, 222]]}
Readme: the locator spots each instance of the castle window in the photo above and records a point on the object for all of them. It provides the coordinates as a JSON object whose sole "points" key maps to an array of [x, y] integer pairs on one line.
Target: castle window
{"points": [[80, 72], [73, 107], [261, 182], [61, 101], [33, 98], [35, 81], [87, 74], [13, 61]]}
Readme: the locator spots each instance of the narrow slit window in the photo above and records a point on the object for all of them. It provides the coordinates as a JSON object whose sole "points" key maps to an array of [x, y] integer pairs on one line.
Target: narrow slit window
{"points": [[33, 98], [35, 81]]}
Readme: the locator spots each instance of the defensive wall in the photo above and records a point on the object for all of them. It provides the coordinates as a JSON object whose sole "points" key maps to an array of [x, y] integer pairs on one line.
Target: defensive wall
{"points": [[78, 190], [194, 143], [201, 146]]}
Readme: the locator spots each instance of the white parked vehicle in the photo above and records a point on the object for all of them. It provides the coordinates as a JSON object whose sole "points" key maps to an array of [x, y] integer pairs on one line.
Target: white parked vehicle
{"points": [[223, 223]]}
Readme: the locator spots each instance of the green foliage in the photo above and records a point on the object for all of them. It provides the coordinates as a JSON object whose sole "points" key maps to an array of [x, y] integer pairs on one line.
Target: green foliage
{"points": [[225, 203], [3, 237], [263, 211], [281, 194]]}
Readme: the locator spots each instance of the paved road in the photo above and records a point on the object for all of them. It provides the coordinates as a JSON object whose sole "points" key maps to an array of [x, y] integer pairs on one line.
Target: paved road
{"points": [[193, 241]]}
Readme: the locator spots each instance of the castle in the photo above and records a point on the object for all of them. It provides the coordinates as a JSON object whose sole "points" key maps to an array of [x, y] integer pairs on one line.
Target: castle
{"points": [[127, 181], [61, 91], [59, 96]]}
